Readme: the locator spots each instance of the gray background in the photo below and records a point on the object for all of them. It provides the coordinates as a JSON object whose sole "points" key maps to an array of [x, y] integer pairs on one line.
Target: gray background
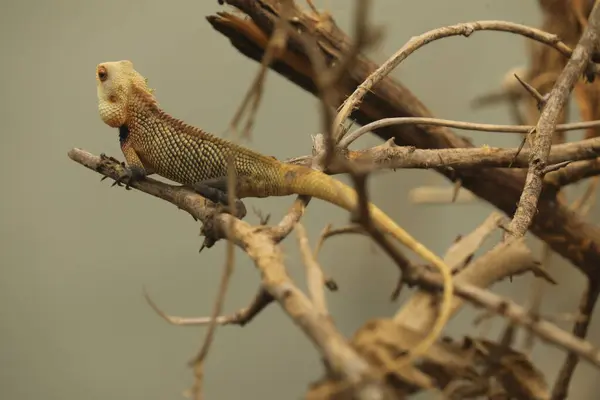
{"points": [[76, 253]]}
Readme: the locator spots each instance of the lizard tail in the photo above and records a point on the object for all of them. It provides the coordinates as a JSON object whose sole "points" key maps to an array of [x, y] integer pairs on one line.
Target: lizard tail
{"points": [[304, 181]]}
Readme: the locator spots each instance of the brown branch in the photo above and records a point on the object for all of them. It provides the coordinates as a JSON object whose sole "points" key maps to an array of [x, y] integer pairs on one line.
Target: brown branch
{"points": [[289, 220], [327, 80], [197, 363], [541, 100], [548, 120], [241, 317], [390, 156], [472, 126], [562, 228], [253, 96], [268, 258], [586, 308], [314, 274], [573, 173], [518, 315], [505, 259], [463, 29], [461, 252]]}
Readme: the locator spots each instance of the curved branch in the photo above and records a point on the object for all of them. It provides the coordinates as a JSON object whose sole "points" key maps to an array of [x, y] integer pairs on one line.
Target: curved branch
{"points": [[546, 125], [472, 126], [268, 258], [463, 29], [390, 156], [564, 230], [573, 173]]}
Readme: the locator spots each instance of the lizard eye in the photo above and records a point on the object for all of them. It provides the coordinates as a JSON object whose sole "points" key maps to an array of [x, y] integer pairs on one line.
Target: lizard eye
{"points": [[102, 74]]}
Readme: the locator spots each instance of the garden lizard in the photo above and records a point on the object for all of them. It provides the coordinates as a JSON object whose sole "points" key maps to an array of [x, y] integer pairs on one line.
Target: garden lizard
{"points": [[154, 142]]}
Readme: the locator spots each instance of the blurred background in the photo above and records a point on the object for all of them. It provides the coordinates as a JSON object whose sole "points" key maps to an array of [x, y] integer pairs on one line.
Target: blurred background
{"points": [[76, 253]]}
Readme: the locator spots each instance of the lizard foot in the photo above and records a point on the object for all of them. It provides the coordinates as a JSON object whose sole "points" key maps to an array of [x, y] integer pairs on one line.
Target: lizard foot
{"points": [[104, 161], [130, 175], [104, 157], [215, 190]]}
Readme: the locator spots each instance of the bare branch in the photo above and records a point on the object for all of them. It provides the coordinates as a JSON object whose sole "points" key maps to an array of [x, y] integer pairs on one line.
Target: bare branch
{"points": [[541, 100], [314, 274], [573, 173], [462, 251], [268, 258], [586, 308], [548, 119], [463, 29], [390, 156], [565, 231], [241, 317], [472, 126], [505, 259], [519, 315]]}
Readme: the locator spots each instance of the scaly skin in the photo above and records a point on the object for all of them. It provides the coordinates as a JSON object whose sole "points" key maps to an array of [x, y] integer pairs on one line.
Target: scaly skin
{"points": [[155, 142]]}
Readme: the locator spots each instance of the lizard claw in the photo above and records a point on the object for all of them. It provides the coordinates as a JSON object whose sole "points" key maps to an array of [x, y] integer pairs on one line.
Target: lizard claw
{"points": [[129, 175], [104, 159]]}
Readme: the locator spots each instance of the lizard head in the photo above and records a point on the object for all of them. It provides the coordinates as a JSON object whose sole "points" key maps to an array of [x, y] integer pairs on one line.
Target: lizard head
{"points": [[118, 84]]}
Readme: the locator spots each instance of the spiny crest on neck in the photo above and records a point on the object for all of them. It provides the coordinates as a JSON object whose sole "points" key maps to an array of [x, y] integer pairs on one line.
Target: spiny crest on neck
{"points": [[143, 92], [147, 98], [181, 126]]}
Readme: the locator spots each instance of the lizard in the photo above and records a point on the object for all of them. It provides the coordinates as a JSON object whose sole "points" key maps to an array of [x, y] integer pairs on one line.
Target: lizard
{"points": [[154, 142]]}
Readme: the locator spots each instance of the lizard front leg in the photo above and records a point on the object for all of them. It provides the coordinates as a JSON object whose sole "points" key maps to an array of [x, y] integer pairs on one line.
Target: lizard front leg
{"points": [[134, 170]]}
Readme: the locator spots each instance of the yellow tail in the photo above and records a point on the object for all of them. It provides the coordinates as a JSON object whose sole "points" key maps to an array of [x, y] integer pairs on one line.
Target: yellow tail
{"points": [[322, 186]]}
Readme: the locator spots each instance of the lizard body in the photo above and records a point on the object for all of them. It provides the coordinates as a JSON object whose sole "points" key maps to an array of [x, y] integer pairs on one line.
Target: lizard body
{"points": [[152, 141]]}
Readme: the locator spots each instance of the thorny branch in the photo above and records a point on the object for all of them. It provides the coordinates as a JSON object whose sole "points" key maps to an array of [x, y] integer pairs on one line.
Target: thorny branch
{"points": [[388, 99], [340, 356], [391, 156], [268, 258], [579, 61], [586, 307], [363, 365], [464, 29]]}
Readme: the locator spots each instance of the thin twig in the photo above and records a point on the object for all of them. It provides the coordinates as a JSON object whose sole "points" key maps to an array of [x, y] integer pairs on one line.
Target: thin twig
{"points": [[557, 99], [253, 96], [472, 126], [362, 215], [268, 258], [314, 274], [586, 308], [462, 251], [500, 188], [573, 173], [504, 259], [241, 317], [198, 361], [517, 314], [463, 29], [391, 156], [327, 80], [290, 219], [541, 100]]}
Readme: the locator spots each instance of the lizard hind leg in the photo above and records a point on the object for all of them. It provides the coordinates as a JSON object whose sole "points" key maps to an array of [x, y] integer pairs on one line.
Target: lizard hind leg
{"points": [[216, 191]]}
